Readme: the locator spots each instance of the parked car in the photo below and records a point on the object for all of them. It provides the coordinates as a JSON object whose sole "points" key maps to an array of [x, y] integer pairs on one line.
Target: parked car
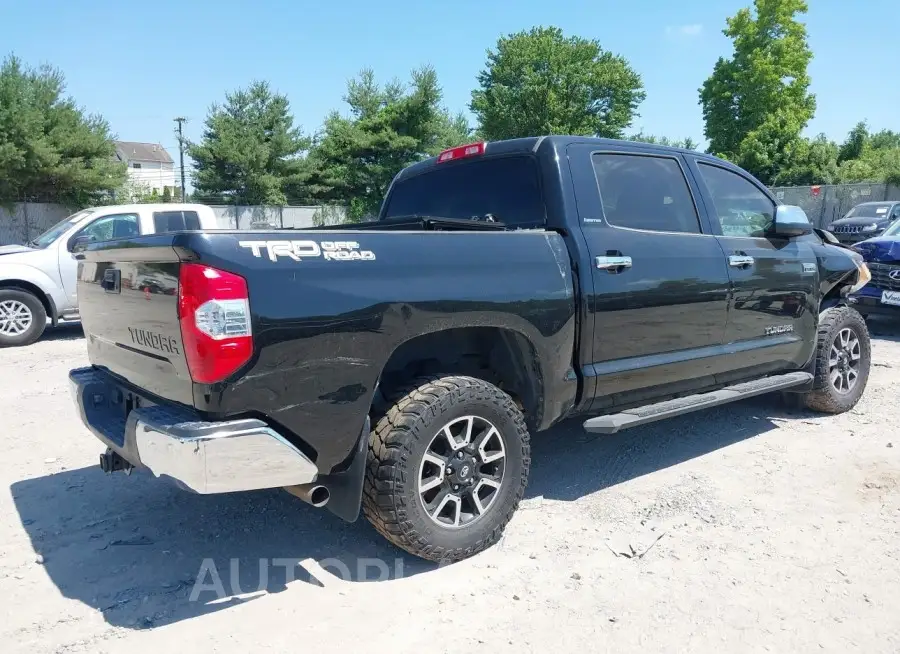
{"points": [[401, 365], [865, 221], [37, 280], [882, 255]]}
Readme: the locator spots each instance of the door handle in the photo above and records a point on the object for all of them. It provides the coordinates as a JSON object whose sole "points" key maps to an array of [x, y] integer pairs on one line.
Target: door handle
{"points": [[612, 263], [740, 261]]}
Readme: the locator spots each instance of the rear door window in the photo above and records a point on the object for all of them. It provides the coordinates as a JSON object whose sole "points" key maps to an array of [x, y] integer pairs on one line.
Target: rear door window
{"points": [[175, 221], [645, 192], [507, 188]]}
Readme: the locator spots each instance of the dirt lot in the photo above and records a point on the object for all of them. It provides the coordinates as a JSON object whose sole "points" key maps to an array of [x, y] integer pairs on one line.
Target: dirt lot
{"points": [[769, 529]]}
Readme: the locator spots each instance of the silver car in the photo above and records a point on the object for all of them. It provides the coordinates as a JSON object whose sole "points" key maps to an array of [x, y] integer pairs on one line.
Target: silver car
{"points": [[37, 280]]}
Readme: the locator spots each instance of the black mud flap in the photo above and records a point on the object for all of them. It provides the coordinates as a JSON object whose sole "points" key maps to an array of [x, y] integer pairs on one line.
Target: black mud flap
{"points": [[346, 487]]}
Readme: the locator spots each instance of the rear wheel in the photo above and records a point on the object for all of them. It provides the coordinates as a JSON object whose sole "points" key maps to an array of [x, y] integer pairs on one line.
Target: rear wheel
{"points": [[843, 359], [447, 466], [22, 318]]}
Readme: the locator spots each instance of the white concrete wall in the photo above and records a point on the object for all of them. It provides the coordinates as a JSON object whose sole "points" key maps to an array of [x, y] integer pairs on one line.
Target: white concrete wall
{"points": [[233, 217]]}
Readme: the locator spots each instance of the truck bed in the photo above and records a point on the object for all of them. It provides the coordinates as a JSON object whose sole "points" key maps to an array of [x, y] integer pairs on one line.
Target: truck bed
{"points": [[328, 307]]}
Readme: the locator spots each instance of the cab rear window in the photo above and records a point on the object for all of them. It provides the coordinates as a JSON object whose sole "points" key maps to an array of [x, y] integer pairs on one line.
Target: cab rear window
{"points": [[506, 188], [175, 221]]}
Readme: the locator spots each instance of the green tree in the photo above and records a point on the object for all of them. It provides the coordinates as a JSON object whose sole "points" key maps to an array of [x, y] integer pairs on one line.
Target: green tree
{"points": [[542, 82], [866, 157], [811, 161], [130, 191], [768, 149], [856, 141], [50, 149], [890, 165], [885, 140], [166, 194], [250, 152], [686, 143], [756, 103], [389, 127]]}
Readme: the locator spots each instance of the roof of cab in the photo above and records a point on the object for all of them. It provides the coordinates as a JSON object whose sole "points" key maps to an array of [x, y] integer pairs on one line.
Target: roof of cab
{"points": [[557, 142]]}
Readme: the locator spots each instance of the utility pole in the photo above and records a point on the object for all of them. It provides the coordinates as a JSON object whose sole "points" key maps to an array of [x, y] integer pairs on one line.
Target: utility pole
{"points": [[180, 121]]}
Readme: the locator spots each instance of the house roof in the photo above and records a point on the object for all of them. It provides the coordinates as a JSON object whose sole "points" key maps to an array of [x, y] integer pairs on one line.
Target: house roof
{"points": [[133, 151]]}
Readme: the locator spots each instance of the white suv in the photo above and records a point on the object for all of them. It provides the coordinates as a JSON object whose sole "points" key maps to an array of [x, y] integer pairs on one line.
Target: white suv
{"points": [[37, 280]]}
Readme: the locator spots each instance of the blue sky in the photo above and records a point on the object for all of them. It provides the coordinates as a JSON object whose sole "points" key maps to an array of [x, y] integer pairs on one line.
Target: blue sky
{"points": [[140, 64]]}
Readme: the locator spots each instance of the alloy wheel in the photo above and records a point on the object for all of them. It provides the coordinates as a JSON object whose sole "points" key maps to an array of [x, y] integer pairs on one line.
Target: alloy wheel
{"points": [[844, 360], [15, 318], [461, 473]]}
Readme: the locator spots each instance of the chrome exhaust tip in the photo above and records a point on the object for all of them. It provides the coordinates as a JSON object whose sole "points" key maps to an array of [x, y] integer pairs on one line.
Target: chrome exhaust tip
{"points": [[313, 494]]}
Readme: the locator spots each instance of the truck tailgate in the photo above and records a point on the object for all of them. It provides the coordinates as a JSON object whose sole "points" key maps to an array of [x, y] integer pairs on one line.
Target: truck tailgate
{"points": [[128, 299]]}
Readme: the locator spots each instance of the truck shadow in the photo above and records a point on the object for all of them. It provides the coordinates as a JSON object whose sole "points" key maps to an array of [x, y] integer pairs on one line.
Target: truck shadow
{"points": [[569, 463], [145, 553], [66, 331], [136, 548], [884, 328]]}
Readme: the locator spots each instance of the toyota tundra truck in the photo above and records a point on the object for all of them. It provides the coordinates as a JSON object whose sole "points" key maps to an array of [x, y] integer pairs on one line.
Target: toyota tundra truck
{"points": [[399, 366]]}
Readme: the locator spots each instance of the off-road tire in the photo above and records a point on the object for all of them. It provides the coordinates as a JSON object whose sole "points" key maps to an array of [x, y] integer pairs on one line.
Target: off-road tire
{"points": [[38, 318], [397, 444], [824, 397]]}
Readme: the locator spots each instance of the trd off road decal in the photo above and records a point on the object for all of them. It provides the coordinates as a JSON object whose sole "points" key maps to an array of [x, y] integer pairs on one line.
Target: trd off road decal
{"points": [[299, 250]]}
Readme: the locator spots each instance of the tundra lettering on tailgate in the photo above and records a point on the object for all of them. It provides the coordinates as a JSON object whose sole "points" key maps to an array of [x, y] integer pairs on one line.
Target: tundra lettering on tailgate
{"points": [[299, 250], [153, 340]]}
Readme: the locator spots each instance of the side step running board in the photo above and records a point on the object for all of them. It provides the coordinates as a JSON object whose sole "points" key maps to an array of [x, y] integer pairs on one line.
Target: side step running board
{"points": [[642, 415]]}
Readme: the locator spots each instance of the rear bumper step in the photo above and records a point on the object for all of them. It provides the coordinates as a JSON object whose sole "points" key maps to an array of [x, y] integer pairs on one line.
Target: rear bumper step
{"points": [[643, 415], [206, 457]]}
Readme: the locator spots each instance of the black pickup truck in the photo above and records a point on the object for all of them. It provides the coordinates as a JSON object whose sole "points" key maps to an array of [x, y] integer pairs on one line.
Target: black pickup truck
{"points": [[400, 365]]}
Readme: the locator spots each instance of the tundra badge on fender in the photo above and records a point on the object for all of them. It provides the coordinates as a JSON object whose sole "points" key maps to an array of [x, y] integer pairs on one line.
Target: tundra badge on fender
{"points": [[779, 329]]}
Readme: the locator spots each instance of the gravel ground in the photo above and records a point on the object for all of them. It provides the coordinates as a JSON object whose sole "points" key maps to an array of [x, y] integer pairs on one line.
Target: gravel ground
{"points": [[753, 527]]}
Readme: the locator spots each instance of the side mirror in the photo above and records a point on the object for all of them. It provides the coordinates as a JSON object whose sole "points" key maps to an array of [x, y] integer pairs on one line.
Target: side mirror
{"points": [[790, 221], [80, 240]]}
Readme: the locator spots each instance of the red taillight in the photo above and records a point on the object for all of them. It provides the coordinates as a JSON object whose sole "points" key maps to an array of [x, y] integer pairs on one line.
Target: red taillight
{"points": [[214, 313], [461, 152]]}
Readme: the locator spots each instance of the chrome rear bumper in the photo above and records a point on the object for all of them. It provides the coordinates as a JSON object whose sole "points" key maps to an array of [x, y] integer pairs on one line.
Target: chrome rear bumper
{"points": [[175, 442]]}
